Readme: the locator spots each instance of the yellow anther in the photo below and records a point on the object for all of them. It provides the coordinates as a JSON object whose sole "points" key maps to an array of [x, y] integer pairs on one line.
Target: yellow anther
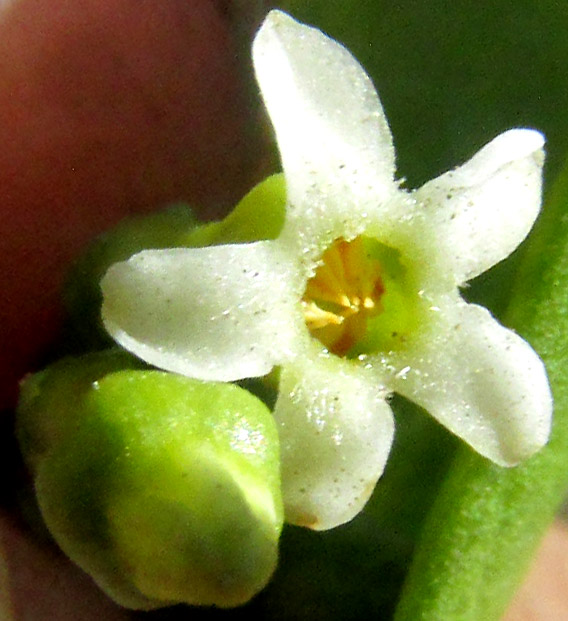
{"points": [[343, 293], [318, 318]]}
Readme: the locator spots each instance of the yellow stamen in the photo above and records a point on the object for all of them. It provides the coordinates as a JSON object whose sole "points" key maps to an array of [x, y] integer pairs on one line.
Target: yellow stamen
{"points": [[319, 318], [343, 293]]}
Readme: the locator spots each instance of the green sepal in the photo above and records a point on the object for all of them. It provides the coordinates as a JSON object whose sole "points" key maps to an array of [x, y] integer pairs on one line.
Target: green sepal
{"points": [[167, 490]]}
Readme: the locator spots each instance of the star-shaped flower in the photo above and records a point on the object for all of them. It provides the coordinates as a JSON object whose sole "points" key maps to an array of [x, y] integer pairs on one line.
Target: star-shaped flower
{"points": [[358, 296]]}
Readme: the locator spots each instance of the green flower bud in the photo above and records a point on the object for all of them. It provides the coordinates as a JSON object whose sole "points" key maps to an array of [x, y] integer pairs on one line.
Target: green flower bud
{"points": [[51, 401], [167, 489]]}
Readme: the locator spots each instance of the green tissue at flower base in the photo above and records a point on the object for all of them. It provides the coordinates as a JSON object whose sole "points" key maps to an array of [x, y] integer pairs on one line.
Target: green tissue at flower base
{"points": [[163, 488], [357, 294]]}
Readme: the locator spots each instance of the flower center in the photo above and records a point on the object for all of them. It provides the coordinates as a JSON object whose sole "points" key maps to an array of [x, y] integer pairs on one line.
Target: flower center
{"points": [[344, 293]]}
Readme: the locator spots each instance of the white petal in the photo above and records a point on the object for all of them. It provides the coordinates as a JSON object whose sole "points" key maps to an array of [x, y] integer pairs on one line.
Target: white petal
{"points": [[484, 383], [218, 313], [335, 430], [335, 144], [482, 211]]}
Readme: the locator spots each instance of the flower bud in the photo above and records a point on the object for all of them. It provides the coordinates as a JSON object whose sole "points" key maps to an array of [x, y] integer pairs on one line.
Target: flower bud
{"points": [[165, 489]]}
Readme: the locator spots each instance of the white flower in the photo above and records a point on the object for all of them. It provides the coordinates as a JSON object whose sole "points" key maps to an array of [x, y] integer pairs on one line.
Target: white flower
{"points": [[359, 295]]}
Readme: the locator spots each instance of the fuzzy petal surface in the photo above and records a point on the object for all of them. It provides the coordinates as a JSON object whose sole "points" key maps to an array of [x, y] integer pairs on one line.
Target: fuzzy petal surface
{"points": [[336, 429], [480, 212], [218, 313], [235, 311], [334, 140], [483, 382]]}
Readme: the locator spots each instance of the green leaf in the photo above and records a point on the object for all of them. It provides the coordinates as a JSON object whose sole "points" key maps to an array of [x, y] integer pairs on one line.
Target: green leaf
{"points": [[486, 522]]}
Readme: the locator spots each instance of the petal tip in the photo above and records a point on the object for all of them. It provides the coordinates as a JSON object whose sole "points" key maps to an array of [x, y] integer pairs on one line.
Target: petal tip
{"points": [[275, 20], [276, 17], [521, 142]]}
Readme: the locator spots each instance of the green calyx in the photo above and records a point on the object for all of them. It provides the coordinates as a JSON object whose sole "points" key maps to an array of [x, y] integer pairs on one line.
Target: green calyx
{"points": [[163, 488]]}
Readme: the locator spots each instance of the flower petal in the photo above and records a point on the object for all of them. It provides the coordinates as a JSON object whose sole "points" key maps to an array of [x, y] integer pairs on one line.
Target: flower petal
{"points": [[482, 211], [334, 140], [335, 430], [218, 313], [484, 383]]}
